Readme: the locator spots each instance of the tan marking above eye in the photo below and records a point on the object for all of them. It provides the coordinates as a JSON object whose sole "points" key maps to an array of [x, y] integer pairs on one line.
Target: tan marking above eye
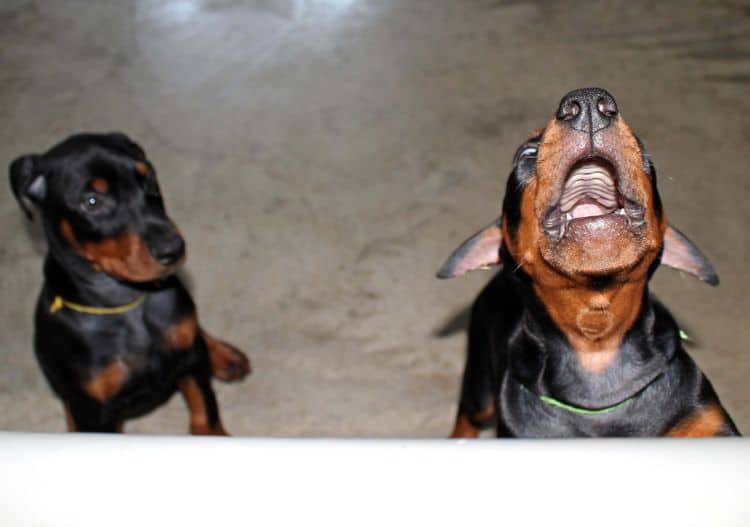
{"points": [[141, 168], [100, 185]]}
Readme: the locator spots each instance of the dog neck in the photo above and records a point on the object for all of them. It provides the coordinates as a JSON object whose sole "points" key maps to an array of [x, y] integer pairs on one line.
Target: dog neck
{"points": [[589, 345], [70, 276], [594, 319]]}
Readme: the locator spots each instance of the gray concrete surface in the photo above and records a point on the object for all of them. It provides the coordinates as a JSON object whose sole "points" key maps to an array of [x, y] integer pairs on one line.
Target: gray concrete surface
{"points": [[322, 157]]}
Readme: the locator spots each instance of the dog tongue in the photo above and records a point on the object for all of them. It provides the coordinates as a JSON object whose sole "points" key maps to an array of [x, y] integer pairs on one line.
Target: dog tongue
{"points": [[585, 210]]}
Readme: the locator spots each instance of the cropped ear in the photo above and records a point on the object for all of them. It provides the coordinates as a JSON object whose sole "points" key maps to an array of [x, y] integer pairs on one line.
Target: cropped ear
{"points": [[28, 184], [481, 251], [682, 254]]}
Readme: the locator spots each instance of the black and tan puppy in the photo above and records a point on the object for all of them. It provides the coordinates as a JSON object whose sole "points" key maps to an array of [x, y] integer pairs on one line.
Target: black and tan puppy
{"points": [[566, 340], [116, 332]]}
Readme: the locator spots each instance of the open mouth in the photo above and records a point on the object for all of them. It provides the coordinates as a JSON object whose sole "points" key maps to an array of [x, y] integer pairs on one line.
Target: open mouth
{"points": [[591, 192]]}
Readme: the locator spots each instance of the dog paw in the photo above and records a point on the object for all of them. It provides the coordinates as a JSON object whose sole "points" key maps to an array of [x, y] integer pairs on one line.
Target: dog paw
{"points": [[227, 362], [206, 430]]}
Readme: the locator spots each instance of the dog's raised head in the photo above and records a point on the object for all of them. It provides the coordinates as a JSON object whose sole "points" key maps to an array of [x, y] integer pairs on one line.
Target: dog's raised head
{"points": [[101, 206], [582, 224], [582, 205]]}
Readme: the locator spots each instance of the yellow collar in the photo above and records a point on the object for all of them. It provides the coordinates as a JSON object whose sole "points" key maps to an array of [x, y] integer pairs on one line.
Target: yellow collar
{"points": [[59, 302]]}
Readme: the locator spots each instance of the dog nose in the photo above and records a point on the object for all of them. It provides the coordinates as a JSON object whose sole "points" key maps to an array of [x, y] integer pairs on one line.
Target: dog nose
{"points": [[587, 109], [169, 251]]}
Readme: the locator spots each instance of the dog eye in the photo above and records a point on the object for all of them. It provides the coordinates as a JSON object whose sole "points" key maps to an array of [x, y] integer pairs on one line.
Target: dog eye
{"points": [[529, 151], [93, 203]]}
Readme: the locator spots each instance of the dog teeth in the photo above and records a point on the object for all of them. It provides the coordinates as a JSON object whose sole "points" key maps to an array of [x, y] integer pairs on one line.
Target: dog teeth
{"points": [[565, 217]]}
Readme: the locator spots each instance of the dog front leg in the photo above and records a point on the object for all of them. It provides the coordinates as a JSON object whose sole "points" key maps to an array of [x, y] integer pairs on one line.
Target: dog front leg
{"points": [[201, 402]]}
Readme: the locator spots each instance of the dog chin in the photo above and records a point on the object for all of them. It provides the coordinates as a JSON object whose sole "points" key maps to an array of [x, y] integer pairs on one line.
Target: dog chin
{"points": [[595, 247], [139, 275]]}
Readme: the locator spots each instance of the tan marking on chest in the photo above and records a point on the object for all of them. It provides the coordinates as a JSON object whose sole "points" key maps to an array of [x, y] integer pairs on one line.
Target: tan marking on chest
{"points": [[595, 345], [703, 422], [107, 382], [594, 324], [181, 335]]}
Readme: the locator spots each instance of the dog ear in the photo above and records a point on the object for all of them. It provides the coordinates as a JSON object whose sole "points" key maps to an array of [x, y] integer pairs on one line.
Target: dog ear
{"points": [[28, 184], [130, 146], [682, 254], [481, 251]]}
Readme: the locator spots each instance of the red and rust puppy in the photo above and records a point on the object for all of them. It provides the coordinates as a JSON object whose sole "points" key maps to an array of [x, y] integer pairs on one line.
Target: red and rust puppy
{"points": [[116, 332], [566, 340]]}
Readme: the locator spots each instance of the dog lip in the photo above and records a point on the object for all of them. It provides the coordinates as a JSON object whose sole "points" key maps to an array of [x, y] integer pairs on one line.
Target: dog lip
{"points": [[595, 196], [578, 230]]}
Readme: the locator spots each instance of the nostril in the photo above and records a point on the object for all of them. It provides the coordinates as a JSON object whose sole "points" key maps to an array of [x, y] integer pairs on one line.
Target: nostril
{"points": [[606, 107], [569, 110]]}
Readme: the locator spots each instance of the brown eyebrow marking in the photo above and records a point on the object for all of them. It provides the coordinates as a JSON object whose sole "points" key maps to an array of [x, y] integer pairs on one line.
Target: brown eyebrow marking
{"points": [[100, 185], [141, 168]]}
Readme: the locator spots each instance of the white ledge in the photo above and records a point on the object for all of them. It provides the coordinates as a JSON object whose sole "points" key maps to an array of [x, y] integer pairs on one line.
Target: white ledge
{"points": [[82, 480]]}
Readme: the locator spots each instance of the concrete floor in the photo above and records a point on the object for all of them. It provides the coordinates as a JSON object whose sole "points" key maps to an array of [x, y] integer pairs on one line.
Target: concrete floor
{"points": [[322, 158]]}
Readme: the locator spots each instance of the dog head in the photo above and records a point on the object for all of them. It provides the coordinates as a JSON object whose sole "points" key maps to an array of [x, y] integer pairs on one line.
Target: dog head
{"points": [[582, 205], [100, 201]]}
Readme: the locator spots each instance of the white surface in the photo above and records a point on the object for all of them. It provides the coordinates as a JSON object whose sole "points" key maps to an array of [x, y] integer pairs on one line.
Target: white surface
{"points": [[85, 480]]}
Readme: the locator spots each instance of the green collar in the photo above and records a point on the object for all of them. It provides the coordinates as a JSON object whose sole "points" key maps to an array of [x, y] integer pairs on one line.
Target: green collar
{"points": [[598, 411], [584, 411]]}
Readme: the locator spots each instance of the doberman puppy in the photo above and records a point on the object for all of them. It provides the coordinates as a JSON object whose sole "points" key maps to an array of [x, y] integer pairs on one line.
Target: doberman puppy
{"points": [[116, 332], [566, 340]]}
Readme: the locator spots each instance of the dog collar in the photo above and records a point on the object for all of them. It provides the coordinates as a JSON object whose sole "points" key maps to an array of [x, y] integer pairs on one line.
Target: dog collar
{"points": [[598, 411], [584, 411], [59, 302]]}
